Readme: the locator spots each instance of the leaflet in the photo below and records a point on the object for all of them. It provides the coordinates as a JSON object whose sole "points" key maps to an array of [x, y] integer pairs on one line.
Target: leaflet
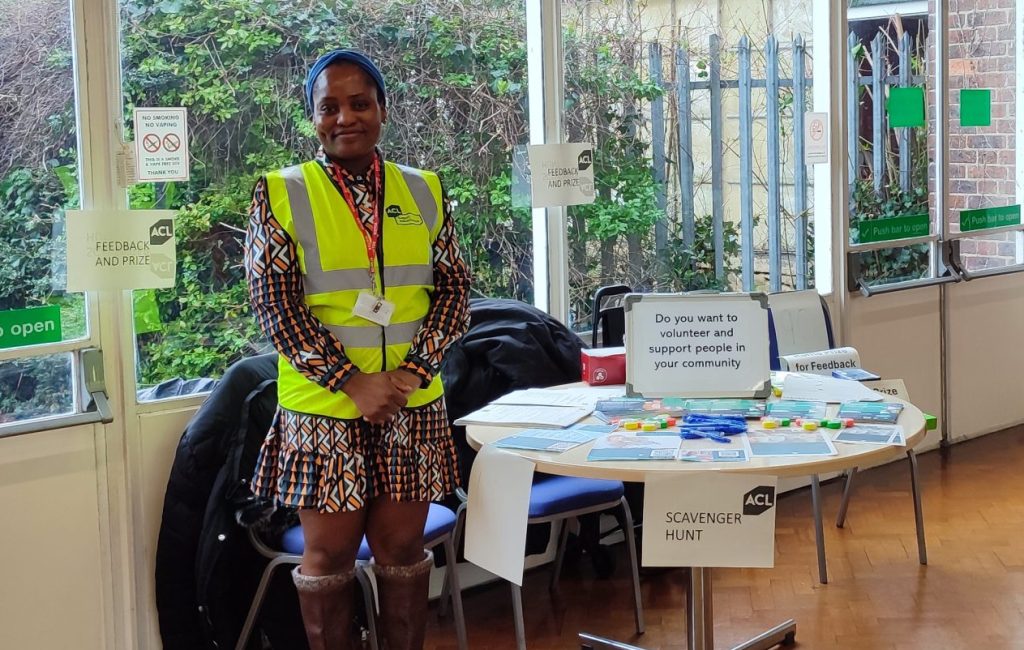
{"points": [[872, 434], [581, 397], [885, 412], [554, 439], [789, 408], [743, 408], [624, 446], [782, 442], [716, 455], [516, 415]]}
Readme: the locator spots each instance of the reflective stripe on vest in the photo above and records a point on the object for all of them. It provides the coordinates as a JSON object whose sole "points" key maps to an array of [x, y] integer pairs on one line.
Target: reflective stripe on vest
{"points": [[309, 206], [316, 280]]}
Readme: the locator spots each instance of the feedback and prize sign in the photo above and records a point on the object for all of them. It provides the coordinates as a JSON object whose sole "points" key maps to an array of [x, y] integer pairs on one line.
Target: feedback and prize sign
{"points": [[713, 345]]}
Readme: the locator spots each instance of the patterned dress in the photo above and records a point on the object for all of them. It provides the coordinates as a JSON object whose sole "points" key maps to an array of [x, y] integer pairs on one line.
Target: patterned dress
{"points": [[312, 461]]}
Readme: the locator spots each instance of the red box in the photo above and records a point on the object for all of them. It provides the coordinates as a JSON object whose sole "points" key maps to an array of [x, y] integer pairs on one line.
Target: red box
{"points": [[604, 366]]}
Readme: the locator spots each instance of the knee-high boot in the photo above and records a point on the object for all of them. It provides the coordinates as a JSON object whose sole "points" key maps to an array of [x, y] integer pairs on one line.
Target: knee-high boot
{"points": [[402, 592], [326, 604]]}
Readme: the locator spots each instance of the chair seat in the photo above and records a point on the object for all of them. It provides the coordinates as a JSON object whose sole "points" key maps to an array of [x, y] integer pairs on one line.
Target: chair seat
{"points": [[440, 522], [553, 495]]}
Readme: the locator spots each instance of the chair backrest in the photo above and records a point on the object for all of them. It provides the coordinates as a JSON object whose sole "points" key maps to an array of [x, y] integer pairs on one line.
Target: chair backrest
{"points": [[609, 316], [798, 321]]}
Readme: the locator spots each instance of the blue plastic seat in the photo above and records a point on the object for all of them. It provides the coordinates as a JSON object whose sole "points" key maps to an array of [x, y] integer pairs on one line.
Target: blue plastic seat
{"points": [[560, 498], [442, 528], [554, 495], [440, 522]]}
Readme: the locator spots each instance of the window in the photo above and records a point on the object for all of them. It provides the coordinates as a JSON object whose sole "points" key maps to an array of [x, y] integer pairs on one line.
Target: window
{"points": [[38, 182], [456, 75], [697, 120], [891, 121]]}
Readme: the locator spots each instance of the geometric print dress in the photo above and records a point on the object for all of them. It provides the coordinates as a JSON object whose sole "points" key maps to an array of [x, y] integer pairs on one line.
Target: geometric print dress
{"points": [[332, 465]]}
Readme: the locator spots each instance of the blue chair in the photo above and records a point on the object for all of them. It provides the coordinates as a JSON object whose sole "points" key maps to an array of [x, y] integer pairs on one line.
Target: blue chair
{"points": [[441, 529], [560, 498], [804, 305]]}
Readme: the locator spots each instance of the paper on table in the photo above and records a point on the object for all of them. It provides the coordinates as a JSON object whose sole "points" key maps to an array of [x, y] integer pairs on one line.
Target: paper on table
{"points": [[818, 388], [499, 505], [526, 415], [582, 397]]}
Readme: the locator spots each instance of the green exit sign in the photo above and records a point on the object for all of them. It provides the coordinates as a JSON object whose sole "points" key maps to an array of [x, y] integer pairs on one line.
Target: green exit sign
{"points": [[21, 327], [990, 218], [890, 228]]}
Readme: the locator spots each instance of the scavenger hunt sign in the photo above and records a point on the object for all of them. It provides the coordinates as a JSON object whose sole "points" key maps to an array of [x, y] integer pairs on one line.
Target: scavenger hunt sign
{"points": [[708, 345], [709, 519]]}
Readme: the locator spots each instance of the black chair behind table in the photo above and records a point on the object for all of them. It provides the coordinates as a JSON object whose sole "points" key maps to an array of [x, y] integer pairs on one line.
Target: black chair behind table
{"points": [[511, 345], [609, 317], [805, 305]]}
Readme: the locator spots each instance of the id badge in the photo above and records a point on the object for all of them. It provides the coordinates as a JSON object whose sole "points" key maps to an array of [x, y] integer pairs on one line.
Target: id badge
{"points": [[374, 309]]}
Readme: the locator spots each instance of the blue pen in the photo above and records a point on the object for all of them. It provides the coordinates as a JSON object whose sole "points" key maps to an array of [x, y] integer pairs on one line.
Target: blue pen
{"points": [[694, 434]]}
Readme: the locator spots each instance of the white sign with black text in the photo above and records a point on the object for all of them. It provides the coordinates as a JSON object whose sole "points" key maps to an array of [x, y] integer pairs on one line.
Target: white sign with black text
{"points": [[713, 345], [161, 144], [890, 387], [705, 519], [561, 174], [120, 250], [816, 138]]}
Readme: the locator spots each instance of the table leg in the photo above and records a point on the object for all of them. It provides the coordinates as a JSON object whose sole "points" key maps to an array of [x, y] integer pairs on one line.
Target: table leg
{"points": [[819, 531], [784, 634], [700, 623]]}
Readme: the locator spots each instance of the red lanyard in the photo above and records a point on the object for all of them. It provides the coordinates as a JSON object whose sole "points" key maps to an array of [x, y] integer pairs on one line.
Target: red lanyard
{"points": [[371, 238]]}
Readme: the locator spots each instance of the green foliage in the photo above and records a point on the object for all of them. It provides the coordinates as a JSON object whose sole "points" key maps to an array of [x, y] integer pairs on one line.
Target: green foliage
{"points": [[457, 98]]}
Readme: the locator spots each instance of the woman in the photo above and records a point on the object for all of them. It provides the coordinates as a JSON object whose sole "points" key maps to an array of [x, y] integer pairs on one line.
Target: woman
{"points": [[356, 277]]}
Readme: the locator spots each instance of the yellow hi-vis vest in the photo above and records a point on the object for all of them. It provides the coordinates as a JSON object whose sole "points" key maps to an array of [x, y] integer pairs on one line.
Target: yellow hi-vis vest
{"points": [[335, 270]]}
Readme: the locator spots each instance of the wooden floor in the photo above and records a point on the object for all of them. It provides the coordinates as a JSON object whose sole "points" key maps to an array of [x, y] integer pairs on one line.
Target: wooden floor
{"points": [[971, 594]]}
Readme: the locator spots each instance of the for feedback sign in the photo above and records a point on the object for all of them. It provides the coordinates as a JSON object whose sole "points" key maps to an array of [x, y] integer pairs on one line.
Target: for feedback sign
{"points": [[697, 346]]}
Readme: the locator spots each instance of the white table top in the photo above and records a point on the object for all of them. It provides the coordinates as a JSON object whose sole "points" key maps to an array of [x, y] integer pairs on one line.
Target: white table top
{"points": [[574, 461]]}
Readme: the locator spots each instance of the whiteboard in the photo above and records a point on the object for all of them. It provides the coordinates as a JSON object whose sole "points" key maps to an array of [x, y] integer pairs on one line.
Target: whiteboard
{"points": [[703, 345]]}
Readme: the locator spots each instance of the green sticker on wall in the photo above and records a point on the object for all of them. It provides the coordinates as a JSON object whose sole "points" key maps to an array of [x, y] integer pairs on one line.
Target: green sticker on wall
{"points": [[906, 107], [984, 218], [911, 225], [33, 326], [975, 107]]}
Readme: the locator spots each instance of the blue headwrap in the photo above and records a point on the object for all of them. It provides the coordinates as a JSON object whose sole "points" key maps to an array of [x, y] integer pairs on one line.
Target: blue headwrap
{"points": [[343, 56]]}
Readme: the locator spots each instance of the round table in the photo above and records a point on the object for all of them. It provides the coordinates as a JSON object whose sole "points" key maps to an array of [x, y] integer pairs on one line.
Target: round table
{"points": [[699, 606]]}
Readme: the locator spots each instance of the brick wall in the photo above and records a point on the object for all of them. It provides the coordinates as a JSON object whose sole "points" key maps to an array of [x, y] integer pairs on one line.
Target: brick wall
{"points": [[982, 171]]}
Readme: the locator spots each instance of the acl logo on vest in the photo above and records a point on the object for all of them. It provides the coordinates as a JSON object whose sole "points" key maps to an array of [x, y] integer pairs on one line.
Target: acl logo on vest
{"points": [[403, 218], [759, 500]]}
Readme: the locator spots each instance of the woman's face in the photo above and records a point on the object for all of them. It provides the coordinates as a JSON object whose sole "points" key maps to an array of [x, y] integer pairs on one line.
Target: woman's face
{"points": [[347, 114]]}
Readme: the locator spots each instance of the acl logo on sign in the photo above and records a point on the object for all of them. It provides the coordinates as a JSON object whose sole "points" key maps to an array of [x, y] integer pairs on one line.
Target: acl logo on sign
{"points": [[759, 500], [161, 232]]}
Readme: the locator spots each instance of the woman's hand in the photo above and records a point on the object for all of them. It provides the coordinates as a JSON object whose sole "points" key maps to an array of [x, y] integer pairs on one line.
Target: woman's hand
{"points": [[404, 380], [376, 396]]}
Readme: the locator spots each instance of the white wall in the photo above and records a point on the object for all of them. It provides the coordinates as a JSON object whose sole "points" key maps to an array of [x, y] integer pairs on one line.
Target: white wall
{"points": [[51, 580], [986, 319]]}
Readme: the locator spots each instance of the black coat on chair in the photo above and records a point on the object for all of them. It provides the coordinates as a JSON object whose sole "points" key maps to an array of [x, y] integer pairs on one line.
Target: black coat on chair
{"points": [[206, 570]]}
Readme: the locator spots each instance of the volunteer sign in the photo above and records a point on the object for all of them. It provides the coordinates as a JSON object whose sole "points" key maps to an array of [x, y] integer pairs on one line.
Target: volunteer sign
{"points": [[35, 326], [681, 345], [161, 144], [709, 519], [561, 174], [120, 250]]}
